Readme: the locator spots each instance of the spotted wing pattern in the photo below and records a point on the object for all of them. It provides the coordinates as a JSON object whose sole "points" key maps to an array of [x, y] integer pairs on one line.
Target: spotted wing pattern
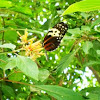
{"points": [[54, 36]]}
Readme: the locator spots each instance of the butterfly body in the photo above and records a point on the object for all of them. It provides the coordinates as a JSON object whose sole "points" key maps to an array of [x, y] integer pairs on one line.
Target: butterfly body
{"points": [[54, 36]]}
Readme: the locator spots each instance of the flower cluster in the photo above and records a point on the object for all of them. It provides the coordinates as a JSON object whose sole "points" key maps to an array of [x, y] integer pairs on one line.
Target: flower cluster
{"points": [[32, 49]]}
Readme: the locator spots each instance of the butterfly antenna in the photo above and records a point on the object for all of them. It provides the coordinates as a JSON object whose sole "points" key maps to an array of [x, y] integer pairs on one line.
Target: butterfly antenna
{"points": [[47, 58]]}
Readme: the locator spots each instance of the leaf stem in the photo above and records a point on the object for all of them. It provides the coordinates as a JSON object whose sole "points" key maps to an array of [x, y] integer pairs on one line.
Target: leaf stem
{"points": [[19, 82]]}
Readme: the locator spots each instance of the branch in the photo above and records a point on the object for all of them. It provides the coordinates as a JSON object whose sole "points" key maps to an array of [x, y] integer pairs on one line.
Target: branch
{"points": [[95, 73], [19, 82]]}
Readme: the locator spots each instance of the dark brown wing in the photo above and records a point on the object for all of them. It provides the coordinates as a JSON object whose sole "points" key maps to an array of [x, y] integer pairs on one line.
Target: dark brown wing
{"points": [[51, 43], [54, 36]]}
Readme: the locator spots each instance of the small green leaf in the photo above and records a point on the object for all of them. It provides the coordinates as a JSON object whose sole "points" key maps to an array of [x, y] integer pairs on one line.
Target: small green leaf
{"points": [[65, 61], [4, 3], [90, 63], [86, 46], [21, 96], [98, 52], [96, 45], [85, 15], [75, 31], [25, 10], [60, 93], [43, 74], [8, 45], [28, 67], [8, 91], [3, 15], [85, 28], [10, 35], [93, 93], [47, 24], [34, 89], [93, 52], [83, 6], [12, 62], [96, 22], [16, 76], [3, 61], [43, 97]]}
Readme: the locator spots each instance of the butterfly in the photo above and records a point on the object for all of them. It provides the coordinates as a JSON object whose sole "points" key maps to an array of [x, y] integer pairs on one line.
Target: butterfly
{"points": [[54, 36]]}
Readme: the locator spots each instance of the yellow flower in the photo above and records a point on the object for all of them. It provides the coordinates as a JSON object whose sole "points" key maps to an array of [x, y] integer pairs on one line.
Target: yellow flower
{"points": [[32, 50], [23, 37]]}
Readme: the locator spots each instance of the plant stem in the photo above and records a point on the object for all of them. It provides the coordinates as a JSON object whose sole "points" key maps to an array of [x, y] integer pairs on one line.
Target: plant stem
{"points": [[95, 73], [19, 82]]}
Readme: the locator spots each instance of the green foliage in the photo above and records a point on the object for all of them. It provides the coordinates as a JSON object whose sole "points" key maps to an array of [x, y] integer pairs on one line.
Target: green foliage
{"points": [[60, 93], [71, 72], [8, 91], [8, 45], [30, 67], [65, 61], [83, 6], [43, 76], [93, 93], [86, 46]]}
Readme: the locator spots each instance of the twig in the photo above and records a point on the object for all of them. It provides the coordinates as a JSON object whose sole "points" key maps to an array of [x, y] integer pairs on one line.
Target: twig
{"points": [[2, 60], [95, 73], [19, 82]]}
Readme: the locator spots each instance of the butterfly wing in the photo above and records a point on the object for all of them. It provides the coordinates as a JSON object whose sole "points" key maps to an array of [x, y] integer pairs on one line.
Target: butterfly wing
{"points": [[54, 36]]}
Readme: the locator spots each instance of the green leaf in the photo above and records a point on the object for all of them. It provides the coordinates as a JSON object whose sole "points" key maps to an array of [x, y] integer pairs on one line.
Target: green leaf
{"points": [[47, 24], [69, 38], [90, 63], [43, 97], [98, 52], [24, 10], [93, 93], [85, 28], [10, 35], [3, 15], [34, 89], [97, 28], [85, 15], [75, 31], [65, 61], [96, 45], [43, 74], [60, 93], [8, 45], [86, 46], [3, 60], [8, 91], [4, 3], [96, 22], [93, 52], [16, 76], [21, 96], [1, 74], [11, 63], [28, 67], [83, 6]]}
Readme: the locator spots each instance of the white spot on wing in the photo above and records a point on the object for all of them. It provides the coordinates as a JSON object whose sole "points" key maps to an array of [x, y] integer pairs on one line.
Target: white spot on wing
{"points": [[62, 26], [53, 33]]}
